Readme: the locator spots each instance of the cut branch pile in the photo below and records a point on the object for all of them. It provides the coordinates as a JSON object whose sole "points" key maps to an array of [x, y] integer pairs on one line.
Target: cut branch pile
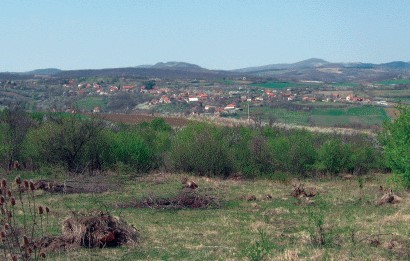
{"points": [[389, 198], [92, 230], [299, 191]]}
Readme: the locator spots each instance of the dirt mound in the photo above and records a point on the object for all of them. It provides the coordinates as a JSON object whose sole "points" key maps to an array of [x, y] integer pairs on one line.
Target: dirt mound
{"points": [[91, 230], [187, 198], [248, 197], [299, 191], [389, 198]]}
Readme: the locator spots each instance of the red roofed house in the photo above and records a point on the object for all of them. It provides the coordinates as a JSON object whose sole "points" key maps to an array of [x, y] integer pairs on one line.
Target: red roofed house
{"points": [[164, 99], [230, 106], [126, 88]]}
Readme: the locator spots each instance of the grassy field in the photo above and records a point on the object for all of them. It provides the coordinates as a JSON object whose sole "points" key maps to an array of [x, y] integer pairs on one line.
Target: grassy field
{"points": [[398, 82], [344, 84], [89, 103], [365, 116], [279, 115], [282, 227], [283, 85]]}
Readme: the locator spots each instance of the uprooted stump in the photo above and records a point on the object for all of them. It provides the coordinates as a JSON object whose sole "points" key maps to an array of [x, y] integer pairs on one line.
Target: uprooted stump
{"points": [[388, 198], [187, 198], [91, 230], [299, 191]]}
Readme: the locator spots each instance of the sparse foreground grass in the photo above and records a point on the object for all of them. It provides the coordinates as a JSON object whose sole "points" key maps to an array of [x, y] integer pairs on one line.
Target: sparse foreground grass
{"points": [[341, 222]]}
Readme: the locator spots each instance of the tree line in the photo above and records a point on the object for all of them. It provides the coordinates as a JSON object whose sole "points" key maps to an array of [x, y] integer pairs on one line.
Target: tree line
{"points": [[81, 144]]}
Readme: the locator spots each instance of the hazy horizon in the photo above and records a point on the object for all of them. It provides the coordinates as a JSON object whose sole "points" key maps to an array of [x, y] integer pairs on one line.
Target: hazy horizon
{"points": [[227, 35]]}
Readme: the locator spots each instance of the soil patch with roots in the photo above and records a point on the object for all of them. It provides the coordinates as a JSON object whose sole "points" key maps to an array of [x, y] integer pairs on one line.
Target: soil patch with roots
{"points": [[187, 198], [91, 230]]}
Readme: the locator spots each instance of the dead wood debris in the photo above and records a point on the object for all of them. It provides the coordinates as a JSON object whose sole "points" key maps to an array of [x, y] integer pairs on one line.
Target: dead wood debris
{"points": [[299, 191], [91, 230], [389, 198], [187, 198]]}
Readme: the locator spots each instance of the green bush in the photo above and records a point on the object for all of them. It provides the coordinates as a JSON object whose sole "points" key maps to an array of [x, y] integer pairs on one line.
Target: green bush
{"points": [[129, 148], [395, 138], [199, 148], [333, 157], [67, 142], [294, 153]]}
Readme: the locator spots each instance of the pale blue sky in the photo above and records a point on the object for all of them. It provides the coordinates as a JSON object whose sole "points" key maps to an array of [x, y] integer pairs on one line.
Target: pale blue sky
{"points": [[221, 34]]}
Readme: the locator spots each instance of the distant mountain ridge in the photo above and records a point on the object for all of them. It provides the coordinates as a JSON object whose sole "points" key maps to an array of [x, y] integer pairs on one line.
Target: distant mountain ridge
{"points": [[313, 69], [46, 71], [317, 63]]}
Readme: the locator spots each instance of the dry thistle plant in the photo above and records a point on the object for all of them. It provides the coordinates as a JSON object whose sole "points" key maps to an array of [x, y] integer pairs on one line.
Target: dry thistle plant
{"points": [[19, 235]]}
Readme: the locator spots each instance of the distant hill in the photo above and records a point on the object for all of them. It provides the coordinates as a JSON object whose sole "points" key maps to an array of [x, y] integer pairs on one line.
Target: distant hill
{"points": [[313, 69], [47, 71], [321, 70], [396, 65], [182, 66], [150, 72], [309, 63], [177, 65]]}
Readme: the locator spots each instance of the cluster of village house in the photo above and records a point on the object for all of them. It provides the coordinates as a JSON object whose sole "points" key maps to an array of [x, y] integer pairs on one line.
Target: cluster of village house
{"points": [[213, 99]]}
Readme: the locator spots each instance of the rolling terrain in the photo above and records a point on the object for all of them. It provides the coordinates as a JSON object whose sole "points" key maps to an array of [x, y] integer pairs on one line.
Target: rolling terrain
{"points": [[308, 70]]}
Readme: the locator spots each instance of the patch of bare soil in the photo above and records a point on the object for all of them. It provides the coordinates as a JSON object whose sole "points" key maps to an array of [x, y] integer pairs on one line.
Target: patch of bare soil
{"points": [[248, 197], [392, 243], [187, 198], [91, 230], [80, 184]]}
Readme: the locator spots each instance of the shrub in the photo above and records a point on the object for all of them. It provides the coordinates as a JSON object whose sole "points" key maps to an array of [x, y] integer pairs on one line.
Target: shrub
{"points": [[395, 138], [294, 153], [67, 142], [129, 148], [199, 148], [333, 157]]}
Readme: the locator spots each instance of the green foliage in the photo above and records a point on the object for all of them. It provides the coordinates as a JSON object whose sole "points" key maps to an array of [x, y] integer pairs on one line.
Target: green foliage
{"points": [[260, 249], [396, 140], [294, 153], [81, 144], [333, 157], [68, 142], [320, 234], [149, 84], [199, 148], [14, 125], [131, 149], [364, 158]]}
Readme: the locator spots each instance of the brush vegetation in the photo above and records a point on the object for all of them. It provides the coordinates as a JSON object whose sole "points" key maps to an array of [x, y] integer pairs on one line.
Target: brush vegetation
{"points": [[260, 193]]}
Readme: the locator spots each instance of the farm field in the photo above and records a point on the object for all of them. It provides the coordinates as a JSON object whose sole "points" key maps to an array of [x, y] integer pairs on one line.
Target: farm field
{"points": [[397, 82], [248, 220], [325, 115], [283, 85], [364, 115], [89, 103]]}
